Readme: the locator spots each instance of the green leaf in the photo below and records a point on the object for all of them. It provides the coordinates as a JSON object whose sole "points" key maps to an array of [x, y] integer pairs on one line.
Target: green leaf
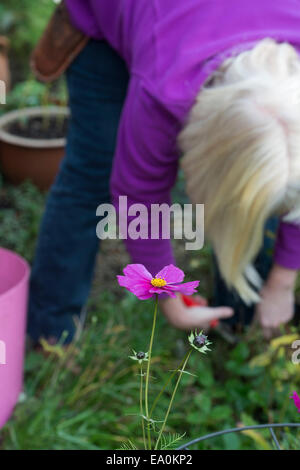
{"points": [[203, 402], [256, 398], [206, 378], [129, 445], [170, 441], [241, 352], [259, 440], [231, 441], [221, 413]]}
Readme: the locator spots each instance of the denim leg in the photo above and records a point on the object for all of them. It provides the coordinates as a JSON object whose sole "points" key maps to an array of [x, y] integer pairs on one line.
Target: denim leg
{"points": [[67, 245], [263, 263]]}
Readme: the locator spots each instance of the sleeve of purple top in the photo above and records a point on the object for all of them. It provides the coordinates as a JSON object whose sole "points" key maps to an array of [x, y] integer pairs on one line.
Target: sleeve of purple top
{"points": [[83, 18], [287, 248], [145, 168]]}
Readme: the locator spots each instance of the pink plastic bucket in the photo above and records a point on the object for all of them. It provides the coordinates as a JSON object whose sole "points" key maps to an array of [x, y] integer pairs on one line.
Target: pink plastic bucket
{"points": [[14, 276]]}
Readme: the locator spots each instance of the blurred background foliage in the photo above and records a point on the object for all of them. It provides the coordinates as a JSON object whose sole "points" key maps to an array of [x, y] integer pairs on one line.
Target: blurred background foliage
{"points": [[23, 21]]}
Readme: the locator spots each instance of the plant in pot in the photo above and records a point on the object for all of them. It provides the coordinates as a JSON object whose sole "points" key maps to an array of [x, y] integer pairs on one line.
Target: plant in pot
{"points": [[23, 22], [32, 137]]}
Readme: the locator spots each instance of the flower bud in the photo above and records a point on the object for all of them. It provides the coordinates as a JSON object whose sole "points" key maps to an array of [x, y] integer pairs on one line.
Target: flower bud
{"points": [[200, 341]]}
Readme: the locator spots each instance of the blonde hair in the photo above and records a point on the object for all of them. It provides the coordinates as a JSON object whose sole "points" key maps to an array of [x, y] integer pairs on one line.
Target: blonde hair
{"points": [[241, 155]]}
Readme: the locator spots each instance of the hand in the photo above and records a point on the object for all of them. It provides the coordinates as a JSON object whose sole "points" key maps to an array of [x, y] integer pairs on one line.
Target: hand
{"points": [[188, 318], [277, 300]]}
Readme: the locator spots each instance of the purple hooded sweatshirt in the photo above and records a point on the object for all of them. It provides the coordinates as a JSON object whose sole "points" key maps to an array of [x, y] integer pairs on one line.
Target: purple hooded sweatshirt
{"points": [[171, 47]]}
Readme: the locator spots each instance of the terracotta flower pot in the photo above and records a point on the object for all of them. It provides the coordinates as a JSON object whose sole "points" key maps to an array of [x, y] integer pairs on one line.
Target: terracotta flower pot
{"points": [[23, 158]]}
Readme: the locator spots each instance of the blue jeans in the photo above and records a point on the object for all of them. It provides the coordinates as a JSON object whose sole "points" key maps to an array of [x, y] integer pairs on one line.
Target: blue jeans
{"points": [[67, 245]]}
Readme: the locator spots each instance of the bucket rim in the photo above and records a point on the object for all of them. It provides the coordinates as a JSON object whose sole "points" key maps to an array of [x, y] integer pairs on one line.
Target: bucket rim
{"points": [[24, 278]]}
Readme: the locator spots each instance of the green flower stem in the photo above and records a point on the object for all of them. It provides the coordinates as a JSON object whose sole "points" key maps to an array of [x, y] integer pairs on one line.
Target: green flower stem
{"points": [[148, 371], [167, 383], [141, 407], [172, 399]]}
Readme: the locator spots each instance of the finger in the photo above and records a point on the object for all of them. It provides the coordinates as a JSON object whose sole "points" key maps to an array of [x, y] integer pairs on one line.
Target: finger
{"points": [[223, 312], [202, 301], [218, 313]]}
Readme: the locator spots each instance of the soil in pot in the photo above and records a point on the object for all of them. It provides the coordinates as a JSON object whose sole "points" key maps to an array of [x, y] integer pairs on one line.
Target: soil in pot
{"points": [[40, 127]]}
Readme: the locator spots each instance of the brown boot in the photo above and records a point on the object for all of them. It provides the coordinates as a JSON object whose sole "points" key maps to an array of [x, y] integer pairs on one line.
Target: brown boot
{"points": [[58, 46]]}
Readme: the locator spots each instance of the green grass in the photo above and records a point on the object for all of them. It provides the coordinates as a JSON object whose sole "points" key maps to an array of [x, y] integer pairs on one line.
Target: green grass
{"points": [[88, 396], [21, 209]]}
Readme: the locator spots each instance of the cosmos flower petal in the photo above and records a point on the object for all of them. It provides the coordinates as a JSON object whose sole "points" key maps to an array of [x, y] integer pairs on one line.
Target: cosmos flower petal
{"points": [[296, 399], [187, 288], [145, 296], [158, 290], [137, 271], [123, 281], [138, 281], [171, 274], [141, 294], [138, 287]]}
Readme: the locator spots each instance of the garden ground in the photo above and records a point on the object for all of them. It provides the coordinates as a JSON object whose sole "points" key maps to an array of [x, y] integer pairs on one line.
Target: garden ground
{"points": [[87, 397]]}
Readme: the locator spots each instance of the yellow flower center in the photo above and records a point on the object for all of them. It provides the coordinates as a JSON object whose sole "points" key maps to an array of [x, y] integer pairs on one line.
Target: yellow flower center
{"points": [[157, 282]]}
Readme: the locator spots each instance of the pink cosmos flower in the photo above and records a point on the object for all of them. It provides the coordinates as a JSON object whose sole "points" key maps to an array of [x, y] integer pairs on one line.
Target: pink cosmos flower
{"points": [[168, 281], [296, 399]]}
